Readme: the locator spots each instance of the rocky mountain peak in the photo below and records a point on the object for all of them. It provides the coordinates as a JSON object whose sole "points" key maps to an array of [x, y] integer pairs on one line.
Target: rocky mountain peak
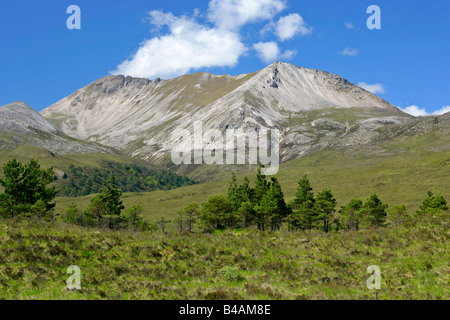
{"points": [[138, 115]]}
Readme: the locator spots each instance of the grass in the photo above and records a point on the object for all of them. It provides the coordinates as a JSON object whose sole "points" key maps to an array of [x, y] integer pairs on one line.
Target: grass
{"points": [[34, 257]]}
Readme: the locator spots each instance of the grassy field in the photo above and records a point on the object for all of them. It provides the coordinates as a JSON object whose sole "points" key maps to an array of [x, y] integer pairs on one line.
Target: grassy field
{"points": [[34, 257]]}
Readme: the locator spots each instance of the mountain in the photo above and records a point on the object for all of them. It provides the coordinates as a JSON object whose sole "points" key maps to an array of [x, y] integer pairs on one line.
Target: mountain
{"points": [[312, 109], [21, 125]]}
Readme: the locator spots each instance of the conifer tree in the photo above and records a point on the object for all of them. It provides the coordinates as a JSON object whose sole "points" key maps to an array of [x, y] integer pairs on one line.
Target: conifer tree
{"points": [[247, 214], [304, 215], [398, 215], [326, 206], [261, 187], [432, 204], [373, 212], [25, 186], [350, 215]]}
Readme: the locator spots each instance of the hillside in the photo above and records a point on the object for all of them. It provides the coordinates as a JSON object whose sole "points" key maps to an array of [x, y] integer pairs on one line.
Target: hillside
{"points": [[400, 170], [20, 125], [84, 174]]}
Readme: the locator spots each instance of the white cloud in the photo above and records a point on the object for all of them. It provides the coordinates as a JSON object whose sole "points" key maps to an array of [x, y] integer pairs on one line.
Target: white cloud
{"points": [[442, 111], [197, 41], [288, 54], [289, 26], [374, 88], [348, 52], [188, 46], [415, 111], [233, 14], [349, 25], [422, 112], [267, 51]]}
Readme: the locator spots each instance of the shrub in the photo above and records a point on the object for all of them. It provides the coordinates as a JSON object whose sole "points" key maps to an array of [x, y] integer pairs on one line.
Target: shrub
{"points": [[231, 274]]}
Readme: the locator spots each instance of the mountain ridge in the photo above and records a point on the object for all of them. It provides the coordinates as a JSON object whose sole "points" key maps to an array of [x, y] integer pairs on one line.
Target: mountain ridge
{"points": [[137, 115], [22, 125]]}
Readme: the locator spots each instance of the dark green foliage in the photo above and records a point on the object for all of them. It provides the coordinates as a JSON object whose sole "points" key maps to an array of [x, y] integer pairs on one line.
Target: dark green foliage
{"points": [[110, 195], [129, 178], [373, 213], [105, 210], [350, 215], [265, 207], [234, 197], [247, 214], [238, 194], [95, 212], [216, 213], [26, 190], [273, 209], [261, 187], [305, 213], [432, 204], [106, 207], [326, 207]]}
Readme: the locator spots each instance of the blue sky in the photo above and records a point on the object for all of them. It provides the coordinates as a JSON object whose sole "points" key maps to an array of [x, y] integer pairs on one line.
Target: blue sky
{"points": [[406, 62]]}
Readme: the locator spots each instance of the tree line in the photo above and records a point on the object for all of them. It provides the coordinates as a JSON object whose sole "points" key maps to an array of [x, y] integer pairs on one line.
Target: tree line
{"points": [[83, 181], [263, 207], [27, 194]]}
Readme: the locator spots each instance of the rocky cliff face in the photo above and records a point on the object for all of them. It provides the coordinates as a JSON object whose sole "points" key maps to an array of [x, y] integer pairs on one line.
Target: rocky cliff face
{"points": [[21, 125], [311, 108]]}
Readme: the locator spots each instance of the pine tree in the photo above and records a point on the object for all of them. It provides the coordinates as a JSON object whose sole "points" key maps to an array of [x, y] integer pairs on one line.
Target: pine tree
{"points": [[187, 218], [234, 197], [25, 185], [110, 195], [72, 215], [304, 213], [398, 215], [247, 214], [134, 216], [245, 191], [326, 206], [190, 214], [277, 217], [216, 213], [374, 212], [350, 215], [432, 204], [261, 187], [95, 212]]}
